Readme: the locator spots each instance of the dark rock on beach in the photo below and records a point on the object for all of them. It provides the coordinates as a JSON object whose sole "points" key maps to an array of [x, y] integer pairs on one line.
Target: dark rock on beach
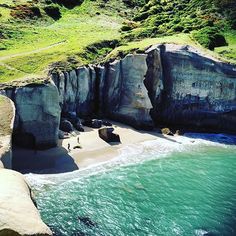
{"points": [[107, 135], [167, 131], [66, 126], [93, 123]]}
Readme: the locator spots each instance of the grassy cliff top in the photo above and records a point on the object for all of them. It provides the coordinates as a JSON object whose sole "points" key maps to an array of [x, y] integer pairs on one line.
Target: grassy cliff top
{"points": [[40, 35], [6, 115]]}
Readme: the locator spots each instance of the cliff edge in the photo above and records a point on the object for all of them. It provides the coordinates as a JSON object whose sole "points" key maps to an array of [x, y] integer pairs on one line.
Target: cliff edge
{"points": [[18, 214], [7, 115]]}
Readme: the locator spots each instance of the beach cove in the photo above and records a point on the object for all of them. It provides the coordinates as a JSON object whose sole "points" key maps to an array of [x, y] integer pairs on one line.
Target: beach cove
{"points": [[154, 186]]}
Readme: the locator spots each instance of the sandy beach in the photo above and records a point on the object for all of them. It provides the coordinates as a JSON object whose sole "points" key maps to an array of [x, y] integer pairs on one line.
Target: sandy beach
{"points": [[93, 150]]}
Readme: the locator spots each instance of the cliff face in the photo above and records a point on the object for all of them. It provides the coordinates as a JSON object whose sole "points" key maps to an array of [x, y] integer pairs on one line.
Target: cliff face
{"points": [[7, 115], [115, 91], [123, 95], [18, 214], [37, 115], [198, 91], [167, 85]]}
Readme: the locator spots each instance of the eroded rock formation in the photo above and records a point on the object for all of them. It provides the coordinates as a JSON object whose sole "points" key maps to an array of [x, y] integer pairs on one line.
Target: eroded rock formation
{"points": [[37, 115], [18, 214], [167, 85], [123, 95], [8, 114], [115, 90], [198, 92]]}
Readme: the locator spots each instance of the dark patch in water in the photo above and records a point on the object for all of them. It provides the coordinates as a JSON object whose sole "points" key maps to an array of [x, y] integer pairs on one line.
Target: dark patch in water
{"points": [[87, 221]]}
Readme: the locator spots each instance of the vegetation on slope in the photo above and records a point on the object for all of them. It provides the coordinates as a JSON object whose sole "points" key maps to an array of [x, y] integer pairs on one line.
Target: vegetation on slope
{"points": [[28, 45], [209, 22], [41, 35]]}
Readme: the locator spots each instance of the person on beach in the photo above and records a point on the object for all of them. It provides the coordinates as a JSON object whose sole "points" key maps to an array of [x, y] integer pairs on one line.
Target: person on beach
{"points": [[78, 139], [68, 147]]}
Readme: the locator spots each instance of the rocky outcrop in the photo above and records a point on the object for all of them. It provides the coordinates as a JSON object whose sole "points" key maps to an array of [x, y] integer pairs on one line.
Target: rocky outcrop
{"points": [[108, 136], [77, 90], [198, 91], [18, 214], [37, 115], [123, 95], [169, 84], [7, 114], [115, 91]]}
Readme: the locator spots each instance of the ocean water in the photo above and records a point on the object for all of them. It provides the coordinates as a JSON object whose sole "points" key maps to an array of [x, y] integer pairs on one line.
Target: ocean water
{"points": [[187, 187]]}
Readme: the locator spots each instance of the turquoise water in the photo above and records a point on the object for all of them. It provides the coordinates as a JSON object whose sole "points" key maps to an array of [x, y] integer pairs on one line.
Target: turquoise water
{"points": [[184, 189]]}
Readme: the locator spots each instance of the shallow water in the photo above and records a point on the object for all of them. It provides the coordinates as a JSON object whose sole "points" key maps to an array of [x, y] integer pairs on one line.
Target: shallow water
{"points": [[151, 189]]}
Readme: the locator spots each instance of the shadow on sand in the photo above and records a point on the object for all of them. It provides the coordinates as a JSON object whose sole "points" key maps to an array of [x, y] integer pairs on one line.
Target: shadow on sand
{"points": [[53, 161]]}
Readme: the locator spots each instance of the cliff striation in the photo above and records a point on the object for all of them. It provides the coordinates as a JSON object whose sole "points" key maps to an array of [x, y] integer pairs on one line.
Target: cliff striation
{"points": [[168, 85], [37, 115], [198, 92]]}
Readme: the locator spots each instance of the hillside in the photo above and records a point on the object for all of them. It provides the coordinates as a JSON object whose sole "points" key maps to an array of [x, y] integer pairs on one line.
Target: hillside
{"points": [[41, 35]]}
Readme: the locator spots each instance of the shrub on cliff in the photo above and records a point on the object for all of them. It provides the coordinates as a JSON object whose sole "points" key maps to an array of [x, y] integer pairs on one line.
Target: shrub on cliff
{"points": [[53, 11], [185, 16], [25, 11], [69, 3], [210, 37]]}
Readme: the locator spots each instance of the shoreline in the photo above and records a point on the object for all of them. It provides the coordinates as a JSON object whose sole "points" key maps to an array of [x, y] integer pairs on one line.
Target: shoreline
{"points": [[94, 151]]}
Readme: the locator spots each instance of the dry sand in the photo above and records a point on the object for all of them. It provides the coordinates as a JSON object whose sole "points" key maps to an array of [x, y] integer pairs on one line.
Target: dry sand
{"points": [[93, 151]]}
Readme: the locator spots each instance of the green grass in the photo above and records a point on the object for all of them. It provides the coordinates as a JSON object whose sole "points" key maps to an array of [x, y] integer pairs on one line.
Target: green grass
{"points": [[229, 51], [142, 44], [77, 29], [30, 47]]}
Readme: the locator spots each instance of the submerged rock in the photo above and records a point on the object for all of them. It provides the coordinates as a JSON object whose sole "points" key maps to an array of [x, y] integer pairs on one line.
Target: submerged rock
{"points": [[87, 221]]}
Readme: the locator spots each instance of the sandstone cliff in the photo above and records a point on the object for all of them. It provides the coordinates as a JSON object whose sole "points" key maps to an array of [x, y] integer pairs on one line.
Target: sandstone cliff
{"points": [[37, 115], [198, 92], [18, 215], [7, 115], [167, 85]]}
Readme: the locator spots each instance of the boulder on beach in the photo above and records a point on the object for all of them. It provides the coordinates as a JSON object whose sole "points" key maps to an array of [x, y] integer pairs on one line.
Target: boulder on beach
{"points": [[93, 123], [66, 126], [107, 135], [79, 126], [106, 123], [18, 214], [167, 131]]}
